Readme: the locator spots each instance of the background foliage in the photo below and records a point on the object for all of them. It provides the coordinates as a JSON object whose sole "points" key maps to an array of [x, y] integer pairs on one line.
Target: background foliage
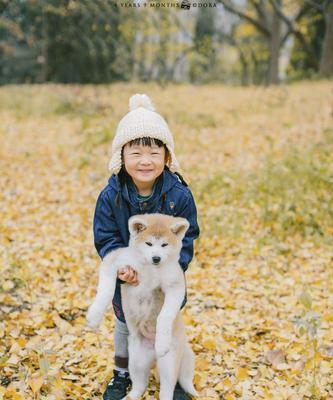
{"points": [[83, 41]]}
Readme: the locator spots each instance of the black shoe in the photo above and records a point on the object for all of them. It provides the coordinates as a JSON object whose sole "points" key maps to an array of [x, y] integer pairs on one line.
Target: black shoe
{"points": [[180, 394], [118, 386]]}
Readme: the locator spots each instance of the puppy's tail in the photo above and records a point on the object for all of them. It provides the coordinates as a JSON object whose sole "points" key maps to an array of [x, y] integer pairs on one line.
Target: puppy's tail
{"points": [[186, 372]]}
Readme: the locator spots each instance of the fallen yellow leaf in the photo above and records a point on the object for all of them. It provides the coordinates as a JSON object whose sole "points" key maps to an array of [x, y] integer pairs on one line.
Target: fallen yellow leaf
{"points": [[35, 383], [242, 374]]}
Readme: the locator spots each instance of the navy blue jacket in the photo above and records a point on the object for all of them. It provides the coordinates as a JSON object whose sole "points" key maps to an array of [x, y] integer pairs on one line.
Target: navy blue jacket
{"points": [[169, 196]]}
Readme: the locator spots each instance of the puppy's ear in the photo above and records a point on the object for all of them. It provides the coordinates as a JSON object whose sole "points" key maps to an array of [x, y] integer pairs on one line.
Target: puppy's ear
{"points": [[180, 226], [136, 224]]}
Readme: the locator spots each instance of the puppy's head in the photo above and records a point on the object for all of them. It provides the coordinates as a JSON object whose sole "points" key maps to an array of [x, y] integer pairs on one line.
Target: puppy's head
{"points": [[157, 237]]}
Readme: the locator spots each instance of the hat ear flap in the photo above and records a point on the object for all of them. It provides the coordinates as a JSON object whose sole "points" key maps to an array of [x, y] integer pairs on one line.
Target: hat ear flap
{"points": [[136, 225], [167, 156]]}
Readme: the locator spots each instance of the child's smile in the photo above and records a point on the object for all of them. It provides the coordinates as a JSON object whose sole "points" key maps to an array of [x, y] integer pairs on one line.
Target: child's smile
{"points": [[144, 164]]}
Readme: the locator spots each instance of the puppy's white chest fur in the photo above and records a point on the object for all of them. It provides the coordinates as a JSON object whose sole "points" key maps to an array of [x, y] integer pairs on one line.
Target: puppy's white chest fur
{"points": [[143, 303]]}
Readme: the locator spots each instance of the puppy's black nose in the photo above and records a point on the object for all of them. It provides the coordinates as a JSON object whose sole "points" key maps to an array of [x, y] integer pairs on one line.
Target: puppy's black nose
{"points": [[156, 259]]}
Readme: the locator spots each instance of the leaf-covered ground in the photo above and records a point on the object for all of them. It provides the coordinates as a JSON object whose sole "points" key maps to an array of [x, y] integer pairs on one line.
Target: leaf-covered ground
{"points": [[259, 312]]}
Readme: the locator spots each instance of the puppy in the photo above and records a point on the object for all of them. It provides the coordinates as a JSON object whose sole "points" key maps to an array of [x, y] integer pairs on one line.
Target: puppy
{"points": [[151, 309]]}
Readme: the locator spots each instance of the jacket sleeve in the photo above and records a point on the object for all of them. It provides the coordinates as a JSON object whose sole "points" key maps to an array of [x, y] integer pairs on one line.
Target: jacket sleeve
{"points": [[106, 232], [189, 212]]}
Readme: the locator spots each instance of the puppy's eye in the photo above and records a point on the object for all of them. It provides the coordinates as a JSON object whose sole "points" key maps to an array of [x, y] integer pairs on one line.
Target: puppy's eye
{"points": [[164, 244], [148, 244]]}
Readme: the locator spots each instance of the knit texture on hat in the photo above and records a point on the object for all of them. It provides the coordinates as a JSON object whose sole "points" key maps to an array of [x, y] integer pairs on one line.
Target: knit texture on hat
{"points": [[141, 121]]}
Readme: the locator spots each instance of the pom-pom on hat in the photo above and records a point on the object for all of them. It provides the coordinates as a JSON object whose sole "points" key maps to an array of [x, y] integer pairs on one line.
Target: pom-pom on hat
{"points": [[141, 121]]}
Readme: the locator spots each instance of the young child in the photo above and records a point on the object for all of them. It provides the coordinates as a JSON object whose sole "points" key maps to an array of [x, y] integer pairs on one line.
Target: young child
{"points": [[145, 179]]}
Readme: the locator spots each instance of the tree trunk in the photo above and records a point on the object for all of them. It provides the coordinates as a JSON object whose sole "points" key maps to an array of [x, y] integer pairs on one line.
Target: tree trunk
{"points": [[256, 78], [326, 62], [274, 50], [245, 68]]}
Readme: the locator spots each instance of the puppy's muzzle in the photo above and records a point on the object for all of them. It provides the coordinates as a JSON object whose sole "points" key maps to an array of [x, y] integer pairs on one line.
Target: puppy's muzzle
{"points": [[156, 260]]}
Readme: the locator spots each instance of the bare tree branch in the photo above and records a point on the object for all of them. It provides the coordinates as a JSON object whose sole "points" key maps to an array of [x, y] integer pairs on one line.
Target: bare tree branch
{"points": [[262, 12], [258, 24], [298, 34], [313, 4], [302, 11]]}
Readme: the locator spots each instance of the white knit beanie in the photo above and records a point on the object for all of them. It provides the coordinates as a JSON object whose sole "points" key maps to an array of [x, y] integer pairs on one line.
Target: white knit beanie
{"points": [[141, 121]]}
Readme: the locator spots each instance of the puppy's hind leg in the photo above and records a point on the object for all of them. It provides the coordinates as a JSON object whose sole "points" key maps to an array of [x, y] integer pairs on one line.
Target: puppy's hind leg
{"points": [[168, 368], [186, 372], [141, 356]]}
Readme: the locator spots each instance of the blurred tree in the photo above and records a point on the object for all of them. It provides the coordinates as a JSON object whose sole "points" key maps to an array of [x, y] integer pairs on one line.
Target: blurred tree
{"points": [[264, 18], [123, 63], [326, 62], [59, 40], [163, 52], [203, 60], [252, 52], [19, 50], [160, 45], [301, 63], [275, 21], [82, 38]]}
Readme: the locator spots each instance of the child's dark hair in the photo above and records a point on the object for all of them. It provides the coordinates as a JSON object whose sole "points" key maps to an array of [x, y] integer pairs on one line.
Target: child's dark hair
{"points": [[147, 141], [144, 141]]}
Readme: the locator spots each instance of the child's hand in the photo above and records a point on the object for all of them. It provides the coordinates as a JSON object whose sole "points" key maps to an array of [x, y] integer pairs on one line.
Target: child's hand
{"points": [[128, 275]]}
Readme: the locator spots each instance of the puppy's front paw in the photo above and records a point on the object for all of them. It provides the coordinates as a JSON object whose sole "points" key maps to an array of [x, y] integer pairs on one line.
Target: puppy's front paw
{"points": [[94, 316], [162, 345]]}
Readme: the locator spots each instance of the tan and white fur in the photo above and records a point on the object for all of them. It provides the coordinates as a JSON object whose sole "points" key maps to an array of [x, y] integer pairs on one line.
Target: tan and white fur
{"points": [[152, 308]]}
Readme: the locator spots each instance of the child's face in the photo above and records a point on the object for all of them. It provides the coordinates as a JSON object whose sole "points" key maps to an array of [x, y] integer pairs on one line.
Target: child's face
{"points": [[144, 163]]}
